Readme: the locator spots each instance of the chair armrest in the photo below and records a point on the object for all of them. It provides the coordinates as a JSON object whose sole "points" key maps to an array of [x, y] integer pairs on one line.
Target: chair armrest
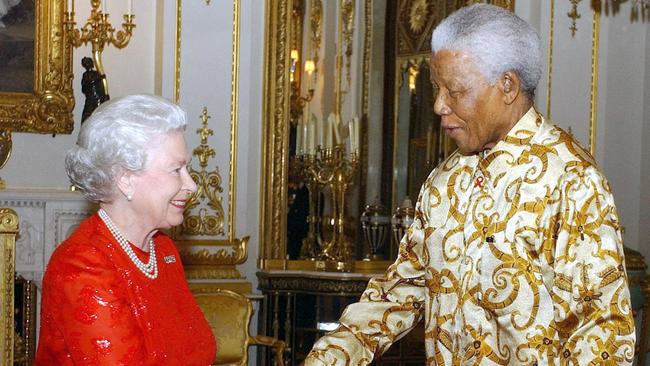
{"points": [[278, 345]]}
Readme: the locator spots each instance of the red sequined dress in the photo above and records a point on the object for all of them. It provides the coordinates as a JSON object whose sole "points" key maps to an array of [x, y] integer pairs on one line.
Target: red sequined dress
{"points": [[99, 309]]}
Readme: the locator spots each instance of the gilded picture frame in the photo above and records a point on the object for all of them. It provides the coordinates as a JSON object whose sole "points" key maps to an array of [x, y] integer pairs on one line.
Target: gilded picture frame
{"points": [[48, 108]]}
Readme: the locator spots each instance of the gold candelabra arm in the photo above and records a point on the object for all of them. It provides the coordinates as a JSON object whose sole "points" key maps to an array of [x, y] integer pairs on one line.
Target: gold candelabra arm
{"points": [[122, 37], [99, 32]]}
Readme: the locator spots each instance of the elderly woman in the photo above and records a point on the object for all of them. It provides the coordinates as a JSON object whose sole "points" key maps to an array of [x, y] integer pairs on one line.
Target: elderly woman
{"points": [[114, 292]]}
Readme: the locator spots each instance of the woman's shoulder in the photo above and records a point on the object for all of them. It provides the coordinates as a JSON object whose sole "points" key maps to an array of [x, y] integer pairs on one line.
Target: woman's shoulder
{"points": [[86, 246]]}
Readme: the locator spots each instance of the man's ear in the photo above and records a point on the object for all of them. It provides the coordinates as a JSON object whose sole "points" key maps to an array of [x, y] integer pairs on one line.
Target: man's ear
{"points": [[125, 183], [510, 86]]}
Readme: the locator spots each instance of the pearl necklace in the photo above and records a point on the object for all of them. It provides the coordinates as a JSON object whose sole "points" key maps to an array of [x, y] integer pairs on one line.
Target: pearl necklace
{"points": [[151, 268]]}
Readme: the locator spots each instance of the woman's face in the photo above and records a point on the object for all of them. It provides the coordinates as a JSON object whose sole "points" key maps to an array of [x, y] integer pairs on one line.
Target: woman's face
{"points": [[163, 187]]}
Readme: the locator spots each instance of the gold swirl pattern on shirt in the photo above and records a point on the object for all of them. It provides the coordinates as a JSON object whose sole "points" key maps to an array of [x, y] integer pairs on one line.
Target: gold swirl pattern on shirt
{"points": [[515, 257]]}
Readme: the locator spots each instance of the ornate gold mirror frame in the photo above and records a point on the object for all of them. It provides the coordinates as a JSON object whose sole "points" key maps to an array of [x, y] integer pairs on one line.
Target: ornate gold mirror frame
{"points": [[48, 109], [276, 117]]}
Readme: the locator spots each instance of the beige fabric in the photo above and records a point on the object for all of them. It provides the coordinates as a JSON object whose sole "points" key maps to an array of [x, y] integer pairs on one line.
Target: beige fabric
{"points": [[515, 258]]}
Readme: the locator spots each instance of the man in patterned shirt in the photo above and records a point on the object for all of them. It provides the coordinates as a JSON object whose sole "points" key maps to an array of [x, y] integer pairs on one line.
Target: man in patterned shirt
{"points": [[515, 255]]}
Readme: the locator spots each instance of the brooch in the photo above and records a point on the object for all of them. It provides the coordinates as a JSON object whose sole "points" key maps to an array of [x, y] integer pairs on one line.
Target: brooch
{"points": [[169, 259]]}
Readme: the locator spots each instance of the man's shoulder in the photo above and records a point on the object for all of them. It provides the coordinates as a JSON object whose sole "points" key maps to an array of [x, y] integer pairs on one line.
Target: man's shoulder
{"points": [[567, 151]]}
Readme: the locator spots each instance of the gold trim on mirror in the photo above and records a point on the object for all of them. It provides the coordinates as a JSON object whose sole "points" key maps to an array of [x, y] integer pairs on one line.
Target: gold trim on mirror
{"points": [[8, 232], [48, 109], [273, 195], [347, 29], [316, 26]]}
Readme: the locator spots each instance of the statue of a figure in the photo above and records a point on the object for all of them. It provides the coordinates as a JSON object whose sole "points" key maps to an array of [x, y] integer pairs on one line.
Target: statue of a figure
{"points": [[93, 88]]}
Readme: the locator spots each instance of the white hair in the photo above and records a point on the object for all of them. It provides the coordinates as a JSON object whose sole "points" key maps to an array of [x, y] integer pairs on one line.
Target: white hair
{"points": [[116, 137], [498, 39]]}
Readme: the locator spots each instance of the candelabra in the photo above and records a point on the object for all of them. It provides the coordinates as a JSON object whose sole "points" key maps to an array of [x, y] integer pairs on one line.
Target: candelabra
{"points": [[98, 31], [311, 243], [334, 169]]}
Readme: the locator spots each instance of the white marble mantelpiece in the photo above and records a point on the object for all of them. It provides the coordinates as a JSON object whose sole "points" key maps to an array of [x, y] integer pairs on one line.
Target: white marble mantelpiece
{"points": [[46, 217]]}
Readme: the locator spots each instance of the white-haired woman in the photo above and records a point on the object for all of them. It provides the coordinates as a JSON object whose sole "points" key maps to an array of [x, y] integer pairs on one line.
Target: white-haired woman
{"points": [[114, 293]]}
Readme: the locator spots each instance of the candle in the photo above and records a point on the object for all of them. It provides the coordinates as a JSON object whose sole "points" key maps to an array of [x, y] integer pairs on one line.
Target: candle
{"points": [[130, 7], [312, 136], [336, 124], [70, 4], [328, 131], [319, 130], [351, 133], [104, 6], [299, 150], [356, 134]]}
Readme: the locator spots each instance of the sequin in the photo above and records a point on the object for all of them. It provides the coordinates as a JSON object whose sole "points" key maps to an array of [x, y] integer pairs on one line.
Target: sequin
{"points": [[99, 309]]}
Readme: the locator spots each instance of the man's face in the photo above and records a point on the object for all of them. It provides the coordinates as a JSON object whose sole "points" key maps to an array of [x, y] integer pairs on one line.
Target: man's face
{"points": [[471, 110]]}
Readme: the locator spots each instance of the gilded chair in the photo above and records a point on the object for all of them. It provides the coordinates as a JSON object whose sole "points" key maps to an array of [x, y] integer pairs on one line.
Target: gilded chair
{"points": [[229, 315]]}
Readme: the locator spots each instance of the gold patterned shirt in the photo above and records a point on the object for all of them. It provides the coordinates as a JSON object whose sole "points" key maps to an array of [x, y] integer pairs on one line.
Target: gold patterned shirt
{"points": [[514, 258]]}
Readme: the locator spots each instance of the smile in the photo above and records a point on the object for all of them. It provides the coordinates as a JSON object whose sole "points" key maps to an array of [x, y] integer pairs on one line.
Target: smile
{"points": [[178, 203]]}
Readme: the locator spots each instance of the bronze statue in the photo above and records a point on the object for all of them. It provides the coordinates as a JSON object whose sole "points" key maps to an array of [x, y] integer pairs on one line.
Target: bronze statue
{"points": [[93, 88]]}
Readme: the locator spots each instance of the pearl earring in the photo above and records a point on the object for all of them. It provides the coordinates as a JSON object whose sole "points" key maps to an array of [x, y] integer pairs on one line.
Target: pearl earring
{"points": [[129, 197]]}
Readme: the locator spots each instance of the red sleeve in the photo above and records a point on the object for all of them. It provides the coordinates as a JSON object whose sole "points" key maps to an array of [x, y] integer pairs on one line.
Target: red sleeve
{"points": [[89, 305]]}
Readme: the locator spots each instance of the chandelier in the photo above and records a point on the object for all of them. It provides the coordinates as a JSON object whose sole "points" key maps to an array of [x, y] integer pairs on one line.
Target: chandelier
{"points": [[640, 8]]}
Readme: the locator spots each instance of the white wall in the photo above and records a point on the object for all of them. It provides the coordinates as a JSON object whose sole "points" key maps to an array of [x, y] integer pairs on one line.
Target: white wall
{"points": [[623, 116]]}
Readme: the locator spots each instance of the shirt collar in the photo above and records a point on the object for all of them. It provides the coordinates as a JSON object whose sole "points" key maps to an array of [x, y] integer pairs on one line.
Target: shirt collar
{"points": [[507, 151]]}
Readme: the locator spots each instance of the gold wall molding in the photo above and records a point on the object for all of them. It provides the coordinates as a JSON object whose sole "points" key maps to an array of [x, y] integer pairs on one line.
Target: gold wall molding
{"points": [[48, 109], [549, 65], [234, 120], [574, 15], [209, 189], [273, 197], [177, 55], [234, 105], [213, 259], [595, 54], [8, 232], [365, 106]]}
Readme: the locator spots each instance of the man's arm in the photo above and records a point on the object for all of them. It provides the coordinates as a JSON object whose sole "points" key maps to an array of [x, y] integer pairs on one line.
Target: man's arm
{"points": [[390, 306], [593, 311]]}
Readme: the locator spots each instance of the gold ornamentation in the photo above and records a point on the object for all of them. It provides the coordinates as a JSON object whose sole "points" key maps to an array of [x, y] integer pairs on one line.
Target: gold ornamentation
{"points": [[574, 15], [593, 105], [213, 258], [273, 200], [316, 26], [234, 117], [209, 189], [177, 55], [549, 70], [347, 30], [418, 15], [99, 32], [8, 232], [49, 108], [335, 170], [5, 151]]}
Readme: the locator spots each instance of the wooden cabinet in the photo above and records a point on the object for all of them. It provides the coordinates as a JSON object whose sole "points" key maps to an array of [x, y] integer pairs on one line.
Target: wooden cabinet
{"points": [[301, 306]]}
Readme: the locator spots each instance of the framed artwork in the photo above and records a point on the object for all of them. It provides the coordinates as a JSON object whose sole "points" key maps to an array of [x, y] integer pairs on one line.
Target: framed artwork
{"points": [[35, 67]]}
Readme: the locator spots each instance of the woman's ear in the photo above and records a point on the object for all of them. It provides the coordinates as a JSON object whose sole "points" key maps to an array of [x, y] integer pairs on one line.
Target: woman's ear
{"points": [[125, 183], [510, 86]]}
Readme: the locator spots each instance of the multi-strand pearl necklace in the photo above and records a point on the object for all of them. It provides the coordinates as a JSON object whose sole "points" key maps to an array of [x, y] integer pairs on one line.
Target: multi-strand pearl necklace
{"points": [[151, 268]]}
